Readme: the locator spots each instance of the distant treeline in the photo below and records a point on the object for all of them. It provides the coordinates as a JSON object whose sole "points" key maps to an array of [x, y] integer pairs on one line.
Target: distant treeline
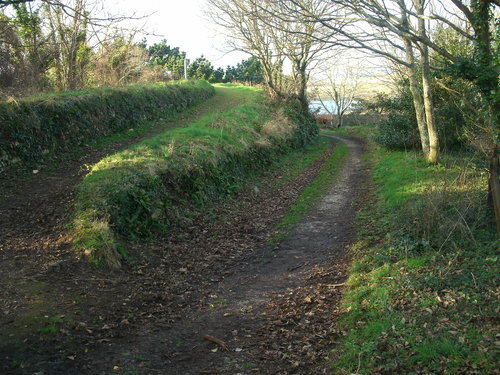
{"points": [[49, 46], [170, 62]]}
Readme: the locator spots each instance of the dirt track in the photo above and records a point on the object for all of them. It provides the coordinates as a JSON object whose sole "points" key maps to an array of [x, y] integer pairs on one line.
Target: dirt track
{"points": [[274, 307]]}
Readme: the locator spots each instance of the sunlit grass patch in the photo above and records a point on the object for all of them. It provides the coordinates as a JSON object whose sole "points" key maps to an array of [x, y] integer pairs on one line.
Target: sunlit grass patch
{"points": [[422, 292]]}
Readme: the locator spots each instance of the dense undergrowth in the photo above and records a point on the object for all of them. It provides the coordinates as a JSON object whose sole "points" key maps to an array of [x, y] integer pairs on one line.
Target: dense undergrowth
{"points": [[33, 127], [422, 295], [163, 181]]}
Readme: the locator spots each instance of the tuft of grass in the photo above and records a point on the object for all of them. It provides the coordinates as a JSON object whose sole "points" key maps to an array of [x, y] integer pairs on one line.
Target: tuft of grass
{"points": [[422, 295], [52, 325]]}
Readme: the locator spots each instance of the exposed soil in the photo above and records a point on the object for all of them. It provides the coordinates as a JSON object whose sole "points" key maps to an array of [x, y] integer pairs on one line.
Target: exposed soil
{"points": [[213, 286]]}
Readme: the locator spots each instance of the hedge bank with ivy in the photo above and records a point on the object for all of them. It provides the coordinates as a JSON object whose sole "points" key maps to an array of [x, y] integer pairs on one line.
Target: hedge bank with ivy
{"points": [[160, 182], [34, 126]]}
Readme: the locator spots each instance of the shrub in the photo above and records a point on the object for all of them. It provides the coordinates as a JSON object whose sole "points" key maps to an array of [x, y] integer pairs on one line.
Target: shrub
{"points": [[308, 128], [459, 115], [32, 127], [398, 132]]}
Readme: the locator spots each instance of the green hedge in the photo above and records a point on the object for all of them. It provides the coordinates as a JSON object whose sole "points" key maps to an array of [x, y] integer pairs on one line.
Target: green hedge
{"points": [[154, 185], [34, 126]]}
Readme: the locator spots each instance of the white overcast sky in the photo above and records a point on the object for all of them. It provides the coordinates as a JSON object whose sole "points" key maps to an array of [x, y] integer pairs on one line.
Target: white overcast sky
{"points": [[183, 24]]}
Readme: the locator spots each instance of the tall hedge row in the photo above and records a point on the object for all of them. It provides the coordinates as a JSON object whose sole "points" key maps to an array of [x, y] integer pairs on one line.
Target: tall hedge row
{"points": [[32, 127]]}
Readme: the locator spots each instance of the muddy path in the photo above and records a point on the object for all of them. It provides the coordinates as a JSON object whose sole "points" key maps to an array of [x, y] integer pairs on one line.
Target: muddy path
{"points": [[274, 307], [275, 312]]}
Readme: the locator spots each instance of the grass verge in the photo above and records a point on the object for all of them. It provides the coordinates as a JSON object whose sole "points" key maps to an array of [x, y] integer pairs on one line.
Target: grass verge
{"points": [[162, 181], [423, 287]]}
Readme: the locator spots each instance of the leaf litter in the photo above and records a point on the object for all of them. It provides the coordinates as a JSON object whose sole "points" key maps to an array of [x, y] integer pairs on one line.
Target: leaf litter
{"points": [[296, 327]]}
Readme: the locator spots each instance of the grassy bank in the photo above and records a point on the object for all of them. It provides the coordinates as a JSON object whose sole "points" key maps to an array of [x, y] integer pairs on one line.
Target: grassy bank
{"points": [[162, 181], [423, 290], [34, 127]]}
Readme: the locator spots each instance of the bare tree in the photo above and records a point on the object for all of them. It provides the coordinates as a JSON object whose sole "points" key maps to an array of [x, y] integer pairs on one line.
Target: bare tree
{"points": [[244, 22], [299, 40], [338, 84], [277, 34], [57, 39], [411, 71], [119, 61], [426, 84], [386, 28], [69, 37], [398, 28]]}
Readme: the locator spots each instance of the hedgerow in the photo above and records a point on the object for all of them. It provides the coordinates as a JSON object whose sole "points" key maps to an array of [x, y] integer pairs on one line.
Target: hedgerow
{"points": [[158, 183], [35, 126]]}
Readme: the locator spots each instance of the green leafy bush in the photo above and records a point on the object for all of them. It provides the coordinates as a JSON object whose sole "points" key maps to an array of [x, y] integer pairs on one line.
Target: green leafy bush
{"points": [[398, 132], [308, 129], [457, 110], [160, 182], [34, 126]]}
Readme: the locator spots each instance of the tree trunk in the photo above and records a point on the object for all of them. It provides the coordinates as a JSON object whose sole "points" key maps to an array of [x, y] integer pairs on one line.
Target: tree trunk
{"points": [[433, 156], [411, 69], [302, 91], [418, 103], [494, 185]]}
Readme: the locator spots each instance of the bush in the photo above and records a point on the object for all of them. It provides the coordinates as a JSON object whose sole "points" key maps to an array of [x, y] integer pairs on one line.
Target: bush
{"points": [[308, 128], [398, 132], [32, 127], [457, 110]]}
